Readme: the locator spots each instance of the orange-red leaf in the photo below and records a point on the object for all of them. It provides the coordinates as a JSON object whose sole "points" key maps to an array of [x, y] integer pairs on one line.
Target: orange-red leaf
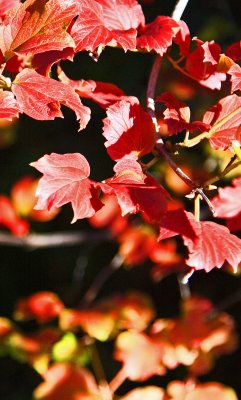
{"points": [[40, 97], [37, 26]]}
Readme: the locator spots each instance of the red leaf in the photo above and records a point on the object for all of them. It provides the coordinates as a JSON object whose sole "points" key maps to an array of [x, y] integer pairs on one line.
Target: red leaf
{"points": [[8, 105], [40, 97], [208, 243], [128, 130], [227, 204], [136, 191], [65, 180], [37, 26], [10, 219], [201, 64], [177, 115], [214, 245], [103, 93], [176, 222], [43, 62], [103, 22], [235, 72], [234, 51], [225, 120], [183, 39], [157, 35]]}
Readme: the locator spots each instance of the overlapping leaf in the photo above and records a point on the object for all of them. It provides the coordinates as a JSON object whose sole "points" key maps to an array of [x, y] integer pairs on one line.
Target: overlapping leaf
{"points": [[177, 115], [103, 22], [40, 97], [37, 26], [214, 245], [209, 244], [103, 93], [136, 191], [227, 205], [225, 120], [65, 180], [157, 35], [235, 72], [128, 130]]}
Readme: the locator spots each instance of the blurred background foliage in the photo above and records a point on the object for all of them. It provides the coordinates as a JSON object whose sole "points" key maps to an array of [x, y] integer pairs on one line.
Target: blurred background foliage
{"points": [[69, 270]]}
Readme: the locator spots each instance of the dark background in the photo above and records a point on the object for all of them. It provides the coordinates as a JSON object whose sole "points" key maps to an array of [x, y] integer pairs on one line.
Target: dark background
{"points": [[69, 271]]}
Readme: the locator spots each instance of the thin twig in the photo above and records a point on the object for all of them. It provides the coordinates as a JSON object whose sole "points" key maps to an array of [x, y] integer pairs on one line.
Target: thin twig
{"points": [[163, 152], [35, 241], [100, 279], [117, 380]]}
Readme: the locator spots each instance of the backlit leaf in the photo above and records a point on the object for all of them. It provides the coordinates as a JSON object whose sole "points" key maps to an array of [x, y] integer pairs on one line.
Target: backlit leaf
{"points": [[37, 26], [225, 120], [65, 180], [103, 22], [128, 130], [40, 97]]}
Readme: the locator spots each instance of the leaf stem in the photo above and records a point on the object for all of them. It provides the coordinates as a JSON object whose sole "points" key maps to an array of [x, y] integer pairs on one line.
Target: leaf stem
{"points": [[197, 207], [230, 166], [117, 380]]}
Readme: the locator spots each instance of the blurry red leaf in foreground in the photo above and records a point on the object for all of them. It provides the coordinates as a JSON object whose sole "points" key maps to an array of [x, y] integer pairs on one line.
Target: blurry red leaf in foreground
{"points": [[44, 306], [10, 219], [64, 381], [139, 365], [24, 200], [144, 393], [199, 391]]}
